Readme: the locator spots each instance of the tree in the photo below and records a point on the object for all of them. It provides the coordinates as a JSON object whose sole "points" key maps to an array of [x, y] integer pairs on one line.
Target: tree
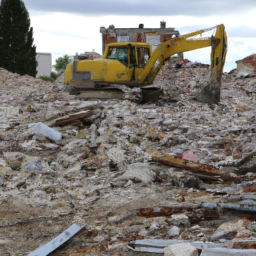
{"points": [[62, 62], [17, 51]]}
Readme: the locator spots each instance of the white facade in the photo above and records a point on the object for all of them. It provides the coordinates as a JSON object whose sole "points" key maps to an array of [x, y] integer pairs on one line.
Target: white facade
{"points": [[154, 40], [44, 67]]}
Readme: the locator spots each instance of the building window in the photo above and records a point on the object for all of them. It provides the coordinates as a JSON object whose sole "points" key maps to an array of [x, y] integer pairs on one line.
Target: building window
{"points": [[123, 39]]}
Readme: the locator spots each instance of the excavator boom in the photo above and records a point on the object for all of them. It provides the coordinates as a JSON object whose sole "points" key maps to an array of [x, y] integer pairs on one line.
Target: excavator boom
{"points": [[186, 43]]}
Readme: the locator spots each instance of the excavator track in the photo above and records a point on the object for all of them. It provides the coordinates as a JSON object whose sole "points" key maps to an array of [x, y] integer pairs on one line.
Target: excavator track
{"points": [[148, 93], [96, 93]]}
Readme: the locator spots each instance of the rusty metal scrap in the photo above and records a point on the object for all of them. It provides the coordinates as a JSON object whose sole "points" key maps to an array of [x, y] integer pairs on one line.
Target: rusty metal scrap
{"points": [[244, 244], [194, 212], [191, 166]]}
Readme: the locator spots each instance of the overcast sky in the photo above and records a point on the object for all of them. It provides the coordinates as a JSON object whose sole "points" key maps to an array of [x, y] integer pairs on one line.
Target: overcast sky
{"points": [[70, 26]]}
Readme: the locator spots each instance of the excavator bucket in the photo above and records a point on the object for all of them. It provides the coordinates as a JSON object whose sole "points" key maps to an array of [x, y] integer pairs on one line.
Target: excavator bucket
{"points": [[211, 92]]}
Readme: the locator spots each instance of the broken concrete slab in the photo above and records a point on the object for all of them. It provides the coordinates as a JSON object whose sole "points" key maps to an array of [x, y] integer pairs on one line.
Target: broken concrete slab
{"points": [[246, 66], [228, 230], [179, 219], [174, 231], [182, 249], [139, 172], [42, 129]]}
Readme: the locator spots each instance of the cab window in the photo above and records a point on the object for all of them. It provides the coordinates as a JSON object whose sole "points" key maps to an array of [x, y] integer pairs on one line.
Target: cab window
{"points": [[119, 53]]}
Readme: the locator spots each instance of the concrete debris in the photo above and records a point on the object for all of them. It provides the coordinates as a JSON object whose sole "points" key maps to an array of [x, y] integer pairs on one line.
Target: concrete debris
{"points": [[44, 130], [179, 219], [246, 66], [183, 249], [174, 231], [129, 171], [89, 55], [139, 172]]}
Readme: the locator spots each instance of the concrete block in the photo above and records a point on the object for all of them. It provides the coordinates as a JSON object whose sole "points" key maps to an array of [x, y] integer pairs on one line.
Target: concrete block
{"points": [[42, 129], [182, 249]]}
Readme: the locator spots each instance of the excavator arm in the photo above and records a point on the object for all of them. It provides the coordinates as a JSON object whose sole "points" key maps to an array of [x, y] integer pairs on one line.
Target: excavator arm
{"points": [[185, 43]]}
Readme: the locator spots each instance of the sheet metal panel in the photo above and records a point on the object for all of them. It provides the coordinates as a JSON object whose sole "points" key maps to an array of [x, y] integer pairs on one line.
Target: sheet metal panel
{"points": [[51, 246]]}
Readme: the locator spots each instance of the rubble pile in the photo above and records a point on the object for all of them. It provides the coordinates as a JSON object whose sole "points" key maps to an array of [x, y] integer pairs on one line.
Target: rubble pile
{"points": [[89, 55], [134, 178]]}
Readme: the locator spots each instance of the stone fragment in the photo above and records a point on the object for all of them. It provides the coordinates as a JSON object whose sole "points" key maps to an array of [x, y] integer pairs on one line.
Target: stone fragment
{"points": [[139, 172], [243, 233], [34, 166], [246, 66], [2, 162], [39, 137], [11, 156], [15, 164], [116, 154], [252, 226], [196, 228], [42, 129], [228, 230], [56, 166], [75, 147], [179, 220], [174, 231], [182, 249]]}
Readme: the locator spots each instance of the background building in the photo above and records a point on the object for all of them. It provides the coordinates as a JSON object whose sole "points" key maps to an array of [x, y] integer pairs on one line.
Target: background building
{"points": [[44, 67], [153, 36]]}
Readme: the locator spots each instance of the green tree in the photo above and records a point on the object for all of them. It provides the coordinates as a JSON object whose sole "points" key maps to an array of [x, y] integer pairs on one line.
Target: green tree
{"points": [[17, 51], [62, 62]]}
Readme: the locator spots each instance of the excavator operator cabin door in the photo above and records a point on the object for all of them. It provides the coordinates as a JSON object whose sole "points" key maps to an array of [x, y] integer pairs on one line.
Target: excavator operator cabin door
{"points": [[142, 56], [139, 57]]}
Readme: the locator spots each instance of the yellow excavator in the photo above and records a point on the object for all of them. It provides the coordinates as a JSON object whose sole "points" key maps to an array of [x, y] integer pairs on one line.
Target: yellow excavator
{"points": [[134, 64]]}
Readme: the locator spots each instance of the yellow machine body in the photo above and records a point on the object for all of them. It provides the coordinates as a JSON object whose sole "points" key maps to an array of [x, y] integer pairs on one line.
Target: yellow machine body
{"points": [[122, 66], [134, 64]]}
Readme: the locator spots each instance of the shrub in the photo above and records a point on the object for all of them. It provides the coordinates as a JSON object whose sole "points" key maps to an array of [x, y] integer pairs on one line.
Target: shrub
{"points": [[47, 78]]}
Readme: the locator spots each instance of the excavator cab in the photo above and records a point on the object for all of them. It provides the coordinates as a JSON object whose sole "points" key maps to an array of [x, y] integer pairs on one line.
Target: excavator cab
{"points": [[132, 55], [129, 55], [121, 63]]}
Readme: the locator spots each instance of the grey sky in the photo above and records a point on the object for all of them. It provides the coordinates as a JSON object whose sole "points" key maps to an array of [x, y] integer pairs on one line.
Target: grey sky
{"points": [[143, 7], [69, 26]]}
